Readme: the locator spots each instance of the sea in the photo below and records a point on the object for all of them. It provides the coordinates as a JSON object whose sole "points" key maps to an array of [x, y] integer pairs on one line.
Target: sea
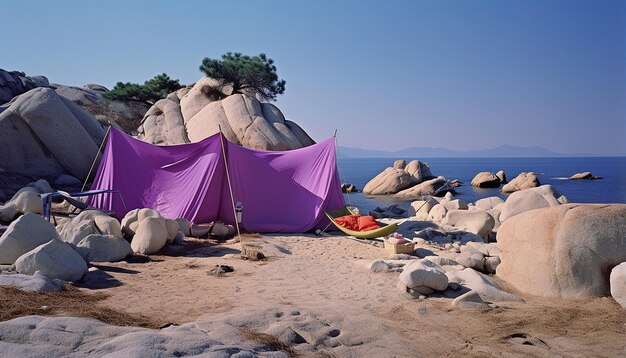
{"points": [[554, 171]]}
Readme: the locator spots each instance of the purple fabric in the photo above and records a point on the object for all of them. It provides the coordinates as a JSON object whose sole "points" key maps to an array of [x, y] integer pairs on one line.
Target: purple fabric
{"points": [[283, 191]]}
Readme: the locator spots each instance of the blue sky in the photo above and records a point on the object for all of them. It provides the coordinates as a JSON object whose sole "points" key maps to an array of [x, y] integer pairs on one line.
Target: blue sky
{"points": [[388, 75]]}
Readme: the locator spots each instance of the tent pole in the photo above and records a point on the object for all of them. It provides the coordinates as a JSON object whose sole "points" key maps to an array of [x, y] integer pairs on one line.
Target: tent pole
{"points": [[230, 188], [344, 172], [96, 158]]}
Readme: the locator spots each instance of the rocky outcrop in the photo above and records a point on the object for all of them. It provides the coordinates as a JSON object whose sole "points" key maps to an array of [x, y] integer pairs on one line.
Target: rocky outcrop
{"points": [[14, 83], [46, 135], [521, 182], [54, 259], [192, 114], [23, 235], [563, 251], [399, 177]]}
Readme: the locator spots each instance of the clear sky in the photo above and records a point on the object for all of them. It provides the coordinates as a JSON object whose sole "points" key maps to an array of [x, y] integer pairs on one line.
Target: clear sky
{"points": [[387, 74]]}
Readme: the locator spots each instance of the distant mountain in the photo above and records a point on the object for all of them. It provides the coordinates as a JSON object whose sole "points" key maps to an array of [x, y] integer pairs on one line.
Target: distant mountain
{"points": [[430, 152]]}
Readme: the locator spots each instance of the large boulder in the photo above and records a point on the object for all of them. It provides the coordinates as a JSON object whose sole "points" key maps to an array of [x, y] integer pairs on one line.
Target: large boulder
{"points": [[536, 198], [44, 134], [23, 235], [436, 186], [192, 114], [54, 259], [397, 178], [618, 284], [14, 83], [486, 180], [521, 182], [151, 235], [424, 273], [563, 251], [584, 176], [482, 284], [475, 221], [105, 248]]}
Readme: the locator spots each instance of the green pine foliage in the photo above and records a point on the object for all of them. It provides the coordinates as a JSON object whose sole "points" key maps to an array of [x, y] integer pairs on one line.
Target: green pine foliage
{"points": [[151, 91], [245, 73]]}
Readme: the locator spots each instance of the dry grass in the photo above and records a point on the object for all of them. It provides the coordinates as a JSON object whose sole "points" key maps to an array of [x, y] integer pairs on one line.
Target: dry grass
{"points": [[67, 302], [272, 341]]}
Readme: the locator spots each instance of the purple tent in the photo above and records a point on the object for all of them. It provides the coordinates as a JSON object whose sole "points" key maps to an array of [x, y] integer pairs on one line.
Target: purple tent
{"points": [[283, 191]]}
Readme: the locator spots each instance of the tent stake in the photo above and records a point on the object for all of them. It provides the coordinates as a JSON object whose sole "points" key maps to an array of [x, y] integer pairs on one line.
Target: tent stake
{"points": [[96, 158]]}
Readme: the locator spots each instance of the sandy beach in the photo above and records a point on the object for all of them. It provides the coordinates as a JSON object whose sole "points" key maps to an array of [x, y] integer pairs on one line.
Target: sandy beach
{"points": [[322, 288]]}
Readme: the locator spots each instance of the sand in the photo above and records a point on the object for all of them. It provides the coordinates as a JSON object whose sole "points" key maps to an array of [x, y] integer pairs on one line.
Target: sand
{"points": [[321, 288]]}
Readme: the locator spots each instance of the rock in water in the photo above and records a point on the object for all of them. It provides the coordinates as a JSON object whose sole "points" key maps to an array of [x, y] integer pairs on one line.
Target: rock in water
{"points": [[521, 182], [584, 176], [24, 234], [486, 180], [399, 177], [618, 284], [437, 186], [54, 259], [563, 251], [502, 176]]}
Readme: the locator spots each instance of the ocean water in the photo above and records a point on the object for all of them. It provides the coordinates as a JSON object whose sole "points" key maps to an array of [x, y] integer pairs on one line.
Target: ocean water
{"points": [[553, 171]]}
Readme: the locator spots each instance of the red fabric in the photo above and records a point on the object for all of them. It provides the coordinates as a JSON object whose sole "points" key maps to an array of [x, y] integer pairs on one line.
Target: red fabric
{"points": [[357, 223]]}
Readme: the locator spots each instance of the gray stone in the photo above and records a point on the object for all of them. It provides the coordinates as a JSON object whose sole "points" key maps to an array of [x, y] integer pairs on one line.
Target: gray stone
{"points": [[105, 248], [470, 300], [530, 199], [54, 259], [486, 180], [23, 235], [482, 284], [521, 182]]}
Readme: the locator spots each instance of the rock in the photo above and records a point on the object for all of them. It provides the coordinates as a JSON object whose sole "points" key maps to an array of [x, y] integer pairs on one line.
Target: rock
{"points": [[475, 261], [470, 300], [536, 198], [563, 251], [151, 235], [486, 180], [406, 291], [441, 261], [87, 223], [8, 212], [54, 259], [424, 273], [41, 185], [392, 211], [390, 181], [584, 176], [67, 181], [31, 283], [379, 266], [163, 124], [349, 188], [455, 204], [488, 203], [23, 235], [482, 284], [399, 177], [502, 176], [421, 207], [476, 222], [133, 218], [41, 113], [14, 83], [491, 264], [521, 182], [618, 284], [184, 226], [455, 183], [105, 248], [437, 186], [437, 213], [173, 228], [490, 249]]}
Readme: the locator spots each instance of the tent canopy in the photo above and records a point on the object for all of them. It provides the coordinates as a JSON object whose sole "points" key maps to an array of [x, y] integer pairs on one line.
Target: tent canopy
{"points": [[282, 191]]}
